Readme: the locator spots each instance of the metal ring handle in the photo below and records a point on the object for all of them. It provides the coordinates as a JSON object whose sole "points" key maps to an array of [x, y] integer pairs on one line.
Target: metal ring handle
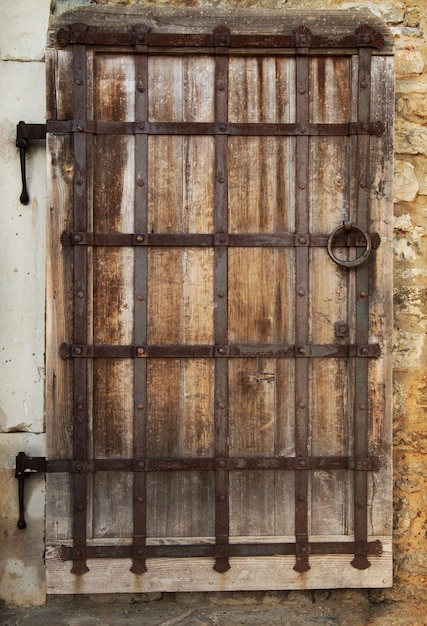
{"points": [[361, 259]]}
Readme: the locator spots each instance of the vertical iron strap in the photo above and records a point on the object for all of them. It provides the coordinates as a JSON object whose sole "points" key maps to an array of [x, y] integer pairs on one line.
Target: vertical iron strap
{"points": [[140, 315], [301, 313], [80, 315], [221, 299], [360, 560]]}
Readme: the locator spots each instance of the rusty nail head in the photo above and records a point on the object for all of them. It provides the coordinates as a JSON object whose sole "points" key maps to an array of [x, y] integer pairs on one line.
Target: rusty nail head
{"points": [[364, 350], [79, 81], [363, 294], [141, 126], [221, 295], [301, 497], [343, 329], [221, 350], [363, 83], [221, 405], [303, 129], [80, 294], [301, 185], [221, 497], [301, 292], [140, 238], [140, 407], [221, 464], [80, 407], [221, 179], [223, 128], [140, 182], [302, 405], [78, 467], [77, 350], [80, 127], [303, 550], [140, 298], [141, 464], [301, 351], [140, 351], [302, 240], [140, 499], [302, 90], [77, 238], [221, 86], [362, 407], [302, 463]]}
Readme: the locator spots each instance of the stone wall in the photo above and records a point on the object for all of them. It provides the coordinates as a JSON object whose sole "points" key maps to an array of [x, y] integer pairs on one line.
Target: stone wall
{"points": [[22, 297]]}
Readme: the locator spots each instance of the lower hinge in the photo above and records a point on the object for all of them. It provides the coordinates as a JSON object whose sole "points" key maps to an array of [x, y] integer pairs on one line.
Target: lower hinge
{"points": [[26, 466]]}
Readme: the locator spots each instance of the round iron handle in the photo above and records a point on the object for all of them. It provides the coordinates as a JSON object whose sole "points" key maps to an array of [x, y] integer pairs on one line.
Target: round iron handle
{"points": [[346, 226]]}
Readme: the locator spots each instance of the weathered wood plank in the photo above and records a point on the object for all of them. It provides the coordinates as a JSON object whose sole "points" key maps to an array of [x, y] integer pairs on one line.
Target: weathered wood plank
{"points": [[246, 574]]}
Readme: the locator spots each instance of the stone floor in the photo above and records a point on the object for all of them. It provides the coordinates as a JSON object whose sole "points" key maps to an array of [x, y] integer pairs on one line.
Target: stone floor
{"points": [[284, 609]]}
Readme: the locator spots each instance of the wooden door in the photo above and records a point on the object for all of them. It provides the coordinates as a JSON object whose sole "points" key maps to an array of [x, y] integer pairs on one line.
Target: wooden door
{"points": [[218, 390]]}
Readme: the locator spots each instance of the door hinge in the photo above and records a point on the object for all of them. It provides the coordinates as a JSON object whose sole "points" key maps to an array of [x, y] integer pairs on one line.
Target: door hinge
{"points": [[24, 134], [26, 466]]}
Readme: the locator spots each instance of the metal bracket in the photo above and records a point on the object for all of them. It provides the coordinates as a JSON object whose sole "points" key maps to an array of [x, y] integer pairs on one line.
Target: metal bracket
{"points": [[24, 134], [26, 466]]}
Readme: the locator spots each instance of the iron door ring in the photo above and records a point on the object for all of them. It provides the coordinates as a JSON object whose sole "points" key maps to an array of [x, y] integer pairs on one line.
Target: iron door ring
{"points": [[345, 226]]}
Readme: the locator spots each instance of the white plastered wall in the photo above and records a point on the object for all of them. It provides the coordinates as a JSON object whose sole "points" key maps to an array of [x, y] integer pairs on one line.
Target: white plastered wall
{"points": [[23, 28]]}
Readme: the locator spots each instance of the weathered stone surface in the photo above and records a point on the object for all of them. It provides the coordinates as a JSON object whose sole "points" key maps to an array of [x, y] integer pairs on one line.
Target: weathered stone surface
{"points": [[409, 62], [405, 182], [410, 138]]}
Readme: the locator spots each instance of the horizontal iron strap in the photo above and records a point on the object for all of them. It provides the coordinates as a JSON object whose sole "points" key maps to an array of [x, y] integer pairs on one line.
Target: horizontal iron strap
{"points": [[209, 351], [40, 464], [272, 240], [140, 36], [209, 550], [202, 128]]}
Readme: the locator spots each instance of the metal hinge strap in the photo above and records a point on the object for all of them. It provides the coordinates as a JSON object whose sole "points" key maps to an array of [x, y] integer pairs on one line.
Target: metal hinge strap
{"points": [[67, 553], [215, 128], [302, 37], [271, 240], [103, 351]]}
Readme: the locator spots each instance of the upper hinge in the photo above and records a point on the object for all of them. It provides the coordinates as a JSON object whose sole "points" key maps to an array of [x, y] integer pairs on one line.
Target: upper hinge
{"points": [[24, 134]]}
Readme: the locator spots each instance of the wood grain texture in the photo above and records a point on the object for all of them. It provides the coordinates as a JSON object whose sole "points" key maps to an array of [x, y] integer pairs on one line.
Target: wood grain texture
{"points": [[179, 191]]}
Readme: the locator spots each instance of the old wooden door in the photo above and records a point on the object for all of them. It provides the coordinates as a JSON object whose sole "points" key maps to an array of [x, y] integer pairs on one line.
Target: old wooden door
{"points": [[218, 388]]}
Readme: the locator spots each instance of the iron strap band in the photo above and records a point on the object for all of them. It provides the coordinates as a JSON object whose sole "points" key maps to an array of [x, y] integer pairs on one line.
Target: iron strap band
{"points": [[215, 128], [80, 313], [143, 39], [373, 548], [32, 465], [101, 351], [221, 38], [139, 521], [278, 240], [362, 284]]}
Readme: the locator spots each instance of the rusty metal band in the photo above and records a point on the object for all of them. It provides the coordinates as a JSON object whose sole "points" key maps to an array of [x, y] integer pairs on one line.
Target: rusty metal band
{"points": [[66, 553], [80, 286], [140, 318], [361, 400], [143, 465], [221, 37], [222, 352], [301, 315], [141, 36], [215, 128], [253, 240]]}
